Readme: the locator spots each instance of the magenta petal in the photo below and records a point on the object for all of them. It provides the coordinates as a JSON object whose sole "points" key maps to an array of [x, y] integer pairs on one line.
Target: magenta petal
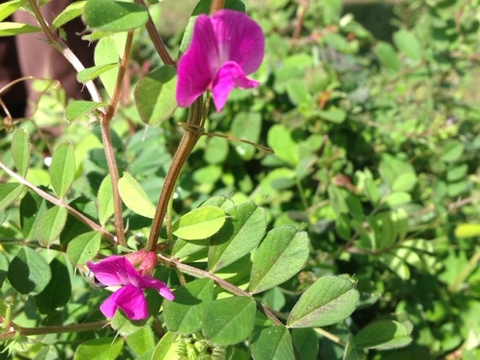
{"points": [[229, 76], [111, 271], [197, 67], [129, 299], [149, 282], [240, 39]]}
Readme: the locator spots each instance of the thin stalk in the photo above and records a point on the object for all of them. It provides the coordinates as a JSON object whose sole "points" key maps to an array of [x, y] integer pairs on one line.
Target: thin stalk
{"points": [[330, 336], [216, 6], [59, 202], [471, 265], [58, 44], [187, 143], [108, 143], [60, 329], [198, 273], [156, 39]]}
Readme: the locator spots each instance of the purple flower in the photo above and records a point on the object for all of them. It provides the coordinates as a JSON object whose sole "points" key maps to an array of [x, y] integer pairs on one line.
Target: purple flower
{"points": [[225, 48], [118, 271]]}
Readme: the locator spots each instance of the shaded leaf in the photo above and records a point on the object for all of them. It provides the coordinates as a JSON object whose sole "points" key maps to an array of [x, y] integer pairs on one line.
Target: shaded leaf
{"points": [[273, 342], [29, 272], [83, 248], [382, 335], [62, 169]]}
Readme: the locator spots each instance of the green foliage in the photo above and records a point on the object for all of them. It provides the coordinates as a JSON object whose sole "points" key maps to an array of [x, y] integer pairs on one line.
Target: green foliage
{"points": [[357, 238]]}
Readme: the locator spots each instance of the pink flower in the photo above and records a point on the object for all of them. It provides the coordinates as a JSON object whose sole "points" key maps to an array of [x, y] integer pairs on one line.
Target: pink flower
{"points": [[225, 48], [118, 271]]}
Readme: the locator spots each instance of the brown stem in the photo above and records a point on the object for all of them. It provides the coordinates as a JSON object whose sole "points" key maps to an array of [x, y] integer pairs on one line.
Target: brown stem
{"points": [[193, 271], [187, 143], [59, 202], [58, 44], [216, 6], [157, 40], [108, 144]]}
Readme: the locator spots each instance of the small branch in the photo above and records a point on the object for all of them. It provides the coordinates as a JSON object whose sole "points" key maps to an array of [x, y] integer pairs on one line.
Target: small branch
{"points": [[156, 39], [187, 143], [216, 6], [193, 271], [108, 143], [59, 202], [58, 44], [330, 336], [60, 329]]}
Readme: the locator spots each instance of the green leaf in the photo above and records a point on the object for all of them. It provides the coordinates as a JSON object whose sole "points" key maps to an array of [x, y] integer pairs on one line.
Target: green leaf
{"points": [[184, 314], [155, 95], [467, 230], [273, 342], [58, 291], [166, 347], [9, 192], [32, 208], [327, 301], [246, 126], [62, 169], [21, 151], [29, 272], [83, 248], [104, 348], [408, 44], [199, 223], [114, 16], [333, 114], [387, 56], [241, 233], [135, 197], [229, 321], [452, 151], [141, 341], [280, 256], [280, 140], [405, 182], [12, 28], [397, 198], [71, 12], [9, 7], [51, 224], [92, 73], [105, 200], [80, 108], [3, 268], [306, 340], [106, 54], [382, 335]]}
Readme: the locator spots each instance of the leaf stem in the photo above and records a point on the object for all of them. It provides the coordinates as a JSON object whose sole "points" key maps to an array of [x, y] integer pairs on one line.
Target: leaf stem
{"points": [[187, 143], [59, 202], [331, 337], [216, 6], [157, 41], [58, 44], [198, 273], [60, 329], [108, 143]]}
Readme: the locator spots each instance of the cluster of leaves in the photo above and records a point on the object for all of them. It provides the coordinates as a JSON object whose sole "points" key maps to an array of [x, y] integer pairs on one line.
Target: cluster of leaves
{"points": [[373, 176]]}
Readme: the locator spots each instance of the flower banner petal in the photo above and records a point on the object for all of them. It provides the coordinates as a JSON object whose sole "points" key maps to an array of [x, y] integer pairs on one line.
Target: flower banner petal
{"points": [[111, 271]]}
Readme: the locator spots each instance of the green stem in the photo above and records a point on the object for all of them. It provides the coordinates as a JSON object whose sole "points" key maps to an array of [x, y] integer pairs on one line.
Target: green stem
{"points": [[108, 143], [187, 143], [60, 329], [59, 202], [471, 265], [330, 336]]}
